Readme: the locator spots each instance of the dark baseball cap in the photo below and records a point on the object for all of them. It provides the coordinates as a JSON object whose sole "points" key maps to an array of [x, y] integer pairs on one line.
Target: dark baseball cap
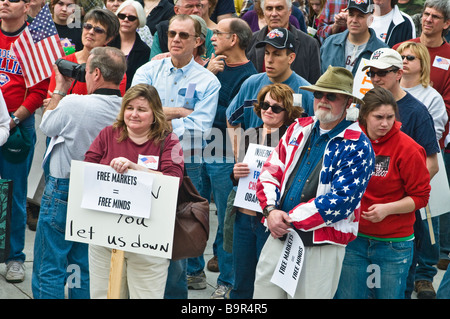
{"points": [[365, 6], [279, 38]]}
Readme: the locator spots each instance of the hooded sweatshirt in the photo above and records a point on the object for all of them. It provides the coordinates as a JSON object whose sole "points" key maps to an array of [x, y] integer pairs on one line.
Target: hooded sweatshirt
{"points": [[400, 171]]}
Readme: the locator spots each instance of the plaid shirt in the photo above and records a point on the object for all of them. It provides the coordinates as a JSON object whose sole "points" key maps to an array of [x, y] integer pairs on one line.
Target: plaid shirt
{"points": [[326, 18]]}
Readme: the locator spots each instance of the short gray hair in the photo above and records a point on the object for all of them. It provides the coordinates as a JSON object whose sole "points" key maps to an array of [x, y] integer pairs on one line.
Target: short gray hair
{"points": [[442, 6], [110, 61], [242, 30], [288, 4], [139, 11]]}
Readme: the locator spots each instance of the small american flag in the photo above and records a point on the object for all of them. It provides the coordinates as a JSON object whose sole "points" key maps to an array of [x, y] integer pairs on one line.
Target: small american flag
{"points": [[38, 47]]}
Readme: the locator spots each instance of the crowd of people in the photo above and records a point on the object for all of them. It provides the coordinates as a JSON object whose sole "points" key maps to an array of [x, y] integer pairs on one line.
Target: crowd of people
{"points": [[194, 83]]}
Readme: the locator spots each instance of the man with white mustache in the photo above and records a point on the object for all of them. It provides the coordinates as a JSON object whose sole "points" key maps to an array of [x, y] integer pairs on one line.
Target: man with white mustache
{"points": [[313, 182]]}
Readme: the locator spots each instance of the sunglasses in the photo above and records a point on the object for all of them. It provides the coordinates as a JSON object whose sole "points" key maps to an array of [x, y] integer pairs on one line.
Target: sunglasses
{"points": [[98, 30], [275, 108], [329, 96], [380, 73], [409, 57], [14, 1], [183, 35], [123, 16]]}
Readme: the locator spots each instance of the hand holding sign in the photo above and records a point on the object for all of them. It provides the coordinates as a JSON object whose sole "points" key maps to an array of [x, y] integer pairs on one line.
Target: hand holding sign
{"points": [[121, 164]]}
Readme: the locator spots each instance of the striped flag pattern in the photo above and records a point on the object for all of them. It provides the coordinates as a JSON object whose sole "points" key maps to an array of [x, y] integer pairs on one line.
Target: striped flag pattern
{"points": [[38, 47]]}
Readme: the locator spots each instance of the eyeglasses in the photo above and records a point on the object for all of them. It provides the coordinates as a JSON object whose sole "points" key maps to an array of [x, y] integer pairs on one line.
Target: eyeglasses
{"points": [[98, 30], [275, 107], [329, 96], [426, 15], [183, 35], [217, 32], [123, 16], [380, 73], [409, 57]]}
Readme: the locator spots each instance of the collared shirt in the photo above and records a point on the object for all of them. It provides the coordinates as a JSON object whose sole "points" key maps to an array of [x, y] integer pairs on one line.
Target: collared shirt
{"points": [[313, 154], [192, 87]]}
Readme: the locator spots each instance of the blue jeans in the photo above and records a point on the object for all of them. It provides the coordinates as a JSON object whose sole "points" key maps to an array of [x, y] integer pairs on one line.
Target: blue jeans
{"points": [[249, 237], [215, 178], [443, 291], [18, 173], [176, 285], [56, 260], [375, 269], [428, 254], [444, 220]]}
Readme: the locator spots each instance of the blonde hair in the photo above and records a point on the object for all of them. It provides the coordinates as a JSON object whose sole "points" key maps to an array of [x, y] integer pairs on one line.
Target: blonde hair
{"points": [[421, 53], [160, 128]]}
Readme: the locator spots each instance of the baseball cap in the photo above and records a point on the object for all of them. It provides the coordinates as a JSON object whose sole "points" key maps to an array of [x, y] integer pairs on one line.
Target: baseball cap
{"points": [[279, 38], [202, 24], [384, 58], [365, 6], [17, 147]]}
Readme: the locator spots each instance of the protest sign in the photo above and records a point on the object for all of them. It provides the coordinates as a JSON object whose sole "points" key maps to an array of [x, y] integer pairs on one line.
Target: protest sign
{"points": [[246, 192], [106, 190], [150, 236], [287, 272], [361, 82]]}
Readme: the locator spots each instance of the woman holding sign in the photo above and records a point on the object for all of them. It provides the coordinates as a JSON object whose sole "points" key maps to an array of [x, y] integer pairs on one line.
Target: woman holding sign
{"points": [[140, 139], [377, 262], [275, 106]]}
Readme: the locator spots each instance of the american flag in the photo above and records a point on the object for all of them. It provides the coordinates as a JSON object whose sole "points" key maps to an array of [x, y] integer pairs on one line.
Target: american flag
{"points": [[38, 47]]}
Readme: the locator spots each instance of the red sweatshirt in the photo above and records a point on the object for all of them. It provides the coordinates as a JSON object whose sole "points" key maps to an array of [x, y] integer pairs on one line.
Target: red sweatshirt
{"points": [[105, 148], [400, 171], [12, 82]]}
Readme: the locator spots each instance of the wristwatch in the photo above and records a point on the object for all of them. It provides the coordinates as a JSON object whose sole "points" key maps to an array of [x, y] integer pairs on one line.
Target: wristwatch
{"points": [[268, 209], [15, 119]]}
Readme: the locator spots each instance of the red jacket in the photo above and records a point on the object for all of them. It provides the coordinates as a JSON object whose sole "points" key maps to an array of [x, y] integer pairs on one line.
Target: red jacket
{"points": [[400, 171]]}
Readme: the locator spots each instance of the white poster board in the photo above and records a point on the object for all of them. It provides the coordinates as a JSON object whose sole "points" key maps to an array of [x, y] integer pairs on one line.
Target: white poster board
{"points": [[361, 82], [108, 191], [255, 157], [149, 236], [439, 202]]}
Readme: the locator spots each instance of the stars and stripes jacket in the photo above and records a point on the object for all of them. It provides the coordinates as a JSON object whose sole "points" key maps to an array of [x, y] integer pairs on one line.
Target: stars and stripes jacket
{"points": [[348, 163]]}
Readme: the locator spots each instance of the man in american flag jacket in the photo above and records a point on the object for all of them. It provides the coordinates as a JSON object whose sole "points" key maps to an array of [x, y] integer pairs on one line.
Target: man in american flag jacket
{"points": [[313, 182]]}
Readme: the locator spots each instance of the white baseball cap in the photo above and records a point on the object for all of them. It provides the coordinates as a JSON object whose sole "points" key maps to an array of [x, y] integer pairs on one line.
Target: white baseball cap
{"points": [[385, 58]]}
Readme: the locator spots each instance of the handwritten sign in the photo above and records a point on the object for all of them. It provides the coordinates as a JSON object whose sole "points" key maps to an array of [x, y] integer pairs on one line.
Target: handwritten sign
{"points": [[149, 236], [361, 82], [287, 272], [106, 190], [246, 192]]}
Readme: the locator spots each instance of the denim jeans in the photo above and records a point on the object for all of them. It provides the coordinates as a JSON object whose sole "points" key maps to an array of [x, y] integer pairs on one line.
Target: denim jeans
{"points": [[443, 291], [444, 219], [428, 254], [216, 179], [375, 269], [176, 285], [56, 260], [249, 237], [18, 173]]}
